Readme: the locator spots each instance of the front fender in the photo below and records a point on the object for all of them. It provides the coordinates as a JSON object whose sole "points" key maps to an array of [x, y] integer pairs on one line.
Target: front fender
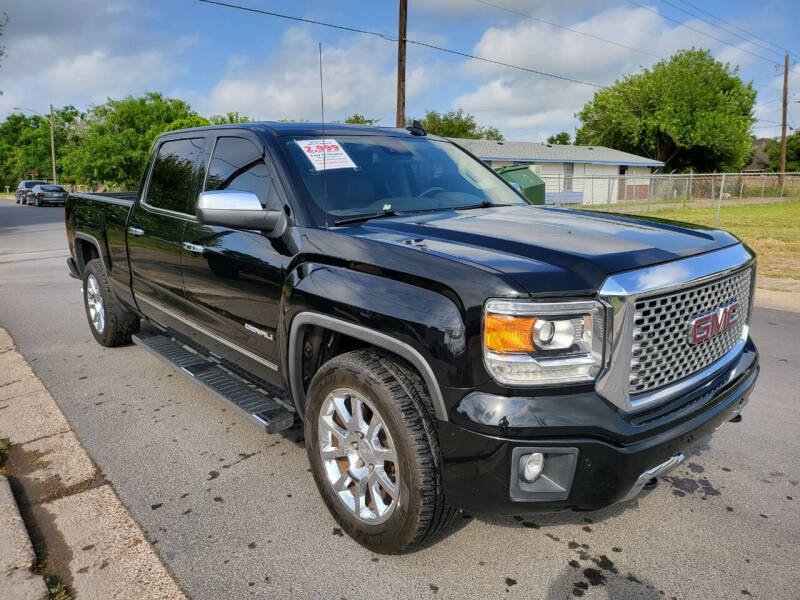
{"points": [[424, 327]]}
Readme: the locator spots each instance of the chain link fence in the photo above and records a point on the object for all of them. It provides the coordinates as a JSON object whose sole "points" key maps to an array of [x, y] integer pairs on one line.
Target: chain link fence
{"points": [[656, 192]]}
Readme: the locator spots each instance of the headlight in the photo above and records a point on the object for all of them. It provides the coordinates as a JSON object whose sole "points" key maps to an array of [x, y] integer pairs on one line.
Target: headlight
{"points": [[543, 343]]}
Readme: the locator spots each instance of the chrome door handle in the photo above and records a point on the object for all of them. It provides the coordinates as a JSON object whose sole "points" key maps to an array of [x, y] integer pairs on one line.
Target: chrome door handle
{"points": [[195, 249], [135, 231]]}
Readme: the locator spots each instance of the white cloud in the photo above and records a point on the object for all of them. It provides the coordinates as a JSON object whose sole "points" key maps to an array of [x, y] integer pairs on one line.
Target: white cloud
{"points": [[91, 55], [359, 76], [531, 107]]}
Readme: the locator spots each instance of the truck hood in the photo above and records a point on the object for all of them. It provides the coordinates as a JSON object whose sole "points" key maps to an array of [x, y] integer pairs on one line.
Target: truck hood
{"points": [[547, 250]]}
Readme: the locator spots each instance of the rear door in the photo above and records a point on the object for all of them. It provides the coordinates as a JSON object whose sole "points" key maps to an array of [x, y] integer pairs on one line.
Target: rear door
{"points": [[155, 229], [232, 278]]}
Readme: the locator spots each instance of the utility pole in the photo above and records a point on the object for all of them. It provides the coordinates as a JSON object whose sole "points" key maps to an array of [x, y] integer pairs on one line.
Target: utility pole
{"points": [[53, 142], [783, 118], [401, 66]]}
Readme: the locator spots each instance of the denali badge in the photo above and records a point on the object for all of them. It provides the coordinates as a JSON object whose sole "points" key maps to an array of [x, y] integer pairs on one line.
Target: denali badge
{"points": [[706, 326], [258, 331]]}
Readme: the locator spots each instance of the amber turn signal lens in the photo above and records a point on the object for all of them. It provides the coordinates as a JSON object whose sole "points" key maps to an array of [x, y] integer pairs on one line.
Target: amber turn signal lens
{"points": [[505, 333]]}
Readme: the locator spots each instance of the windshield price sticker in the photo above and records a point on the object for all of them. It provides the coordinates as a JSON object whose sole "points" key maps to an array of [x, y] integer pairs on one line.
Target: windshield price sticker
{"points": [[326, 154]]}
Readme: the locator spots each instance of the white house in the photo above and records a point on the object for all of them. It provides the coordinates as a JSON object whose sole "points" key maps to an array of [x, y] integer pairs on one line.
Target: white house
{"points": [[580, 174]]}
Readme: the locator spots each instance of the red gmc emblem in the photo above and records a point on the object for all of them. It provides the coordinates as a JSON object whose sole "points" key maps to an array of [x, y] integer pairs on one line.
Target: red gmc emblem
{"points": [[707, 326]]}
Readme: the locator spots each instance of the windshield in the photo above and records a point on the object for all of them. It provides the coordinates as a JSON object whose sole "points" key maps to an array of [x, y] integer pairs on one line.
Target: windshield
{"points": [[52, 188], [370, 175]]}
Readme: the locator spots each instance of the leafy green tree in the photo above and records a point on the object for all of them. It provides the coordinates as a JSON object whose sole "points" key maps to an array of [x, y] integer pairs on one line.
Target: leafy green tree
{"points": [[792, 153], [456, 124], [25, 144], [229, 118], [116, 137], [359, 119], [689, 111], [559, 138], [184, 123]]}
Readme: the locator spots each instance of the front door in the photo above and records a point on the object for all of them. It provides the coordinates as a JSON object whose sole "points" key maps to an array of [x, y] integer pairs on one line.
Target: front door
{"points": [[232, 278], [155, 230]]}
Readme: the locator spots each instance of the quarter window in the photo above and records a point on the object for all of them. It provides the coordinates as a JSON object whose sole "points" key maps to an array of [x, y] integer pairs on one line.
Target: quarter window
{"points": [[173, 171], [238, 164]]}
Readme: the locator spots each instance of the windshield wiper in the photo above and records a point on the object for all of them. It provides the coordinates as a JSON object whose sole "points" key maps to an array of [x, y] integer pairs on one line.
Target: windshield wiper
{"points": [[356, 219], [394, 213], [484, 204]]}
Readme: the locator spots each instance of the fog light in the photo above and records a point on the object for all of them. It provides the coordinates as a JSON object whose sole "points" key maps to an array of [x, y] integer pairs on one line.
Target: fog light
{"points": [[534, 463]]}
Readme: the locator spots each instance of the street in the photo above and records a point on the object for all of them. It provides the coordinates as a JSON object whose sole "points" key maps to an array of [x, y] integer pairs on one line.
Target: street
{"points": [[234, 513]]}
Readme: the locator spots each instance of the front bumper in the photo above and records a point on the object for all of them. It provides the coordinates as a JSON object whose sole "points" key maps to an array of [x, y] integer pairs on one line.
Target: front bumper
{"points": [[613, 451]]}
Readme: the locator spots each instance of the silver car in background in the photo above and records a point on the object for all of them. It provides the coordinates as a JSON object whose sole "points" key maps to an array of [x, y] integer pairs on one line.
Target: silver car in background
{"points": [[47, 194]]}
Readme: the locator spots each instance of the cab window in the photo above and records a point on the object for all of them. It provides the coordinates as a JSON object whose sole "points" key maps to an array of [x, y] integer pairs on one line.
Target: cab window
{"points": [[172, 174], [238, 164]]}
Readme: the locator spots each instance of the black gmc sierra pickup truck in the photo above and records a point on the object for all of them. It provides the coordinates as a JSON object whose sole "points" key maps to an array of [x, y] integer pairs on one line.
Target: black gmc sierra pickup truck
{"points": [[445, 344]]}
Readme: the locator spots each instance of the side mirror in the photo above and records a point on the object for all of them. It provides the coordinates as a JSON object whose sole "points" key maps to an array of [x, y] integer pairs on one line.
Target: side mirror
{"points": [[516, 186], [239, 210]]}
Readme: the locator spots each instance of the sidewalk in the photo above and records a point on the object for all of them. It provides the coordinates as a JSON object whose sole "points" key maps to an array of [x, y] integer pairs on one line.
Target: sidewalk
{"points": [[63, 522]]}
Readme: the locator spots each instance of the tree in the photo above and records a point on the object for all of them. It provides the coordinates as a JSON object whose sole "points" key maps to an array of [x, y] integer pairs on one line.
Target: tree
{"points": [[116, 137], [689, 111], [559, 138], [229, 118], [359, 119], [792, 153], [25, 143], [457, 124]]}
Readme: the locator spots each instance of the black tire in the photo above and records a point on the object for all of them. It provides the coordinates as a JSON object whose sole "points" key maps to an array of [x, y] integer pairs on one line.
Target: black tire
{"points": [[36, 202], [119, 324], [400, 397]]}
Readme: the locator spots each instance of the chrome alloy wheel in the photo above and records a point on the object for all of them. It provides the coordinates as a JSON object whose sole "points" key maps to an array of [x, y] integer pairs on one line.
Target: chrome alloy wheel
{"points": [[358, 455], [94, 300]]}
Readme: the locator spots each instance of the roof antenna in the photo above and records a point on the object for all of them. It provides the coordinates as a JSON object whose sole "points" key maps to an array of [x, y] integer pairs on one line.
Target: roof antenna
{"points": [[324, 142], [417, 128]]}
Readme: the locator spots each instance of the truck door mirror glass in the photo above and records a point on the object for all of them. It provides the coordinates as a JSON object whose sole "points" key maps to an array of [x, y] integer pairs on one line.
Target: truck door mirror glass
{"points": [[516, 186], [239, 210]]}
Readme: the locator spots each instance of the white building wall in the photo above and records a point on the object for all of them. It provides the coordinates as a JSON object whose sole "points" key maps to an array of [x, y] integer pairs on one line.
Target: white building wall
{"points": [[602, 184], [599, 184]]}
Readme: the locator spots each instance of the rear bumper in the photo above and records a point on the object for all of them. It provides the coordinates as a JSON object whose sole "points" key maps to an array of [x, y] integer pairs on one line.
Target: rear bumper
{"points": [[600, 455]]}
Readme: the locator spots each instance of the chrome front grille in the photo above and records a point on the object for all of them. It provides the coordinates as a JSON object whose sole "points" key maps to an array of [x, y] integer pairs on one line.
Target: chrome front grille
{"points": [[661, 353]]}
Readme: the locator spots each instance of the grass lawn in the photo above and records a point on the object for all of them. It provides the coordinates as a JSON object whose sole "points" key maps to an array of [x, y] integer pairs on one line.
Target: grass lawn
{"points": [[772, 230]]}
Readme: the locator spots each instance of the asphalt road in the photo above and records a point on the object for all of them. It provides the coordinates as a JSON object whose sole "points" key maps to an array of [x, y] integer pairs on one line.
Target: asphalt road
{"points": [[234, 513]]}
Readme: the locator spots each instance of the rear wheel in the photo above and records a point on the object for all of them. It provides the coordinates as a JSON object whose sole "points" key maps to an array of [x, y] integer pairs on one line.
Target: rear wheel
{"points": [[374, 451], [36, 202], [111, 324]]}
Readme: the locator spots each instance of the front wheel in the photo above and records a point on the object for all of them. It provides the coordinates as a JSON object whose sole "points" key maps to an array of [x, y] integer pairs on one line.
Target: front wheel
{"points": [[374, 451], [110, 323]]}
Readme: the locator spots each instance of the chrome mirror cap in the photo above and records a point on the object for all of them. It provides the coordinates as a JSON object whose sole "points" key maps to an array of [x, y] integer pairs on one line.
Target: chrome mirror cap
{"points": [[239, 210], [228, 200]]}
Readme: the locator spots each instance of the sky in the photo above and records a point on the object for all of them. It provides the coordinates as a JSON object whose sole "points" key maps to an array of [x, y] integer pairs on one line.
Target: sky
{"points": [[220, 59]]}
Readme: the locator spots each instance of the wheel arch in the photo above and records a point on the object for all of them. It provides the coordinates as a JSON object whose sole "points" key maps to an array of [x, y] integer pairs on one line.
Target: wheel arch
{"points": [[369, 337], [88, 247]]}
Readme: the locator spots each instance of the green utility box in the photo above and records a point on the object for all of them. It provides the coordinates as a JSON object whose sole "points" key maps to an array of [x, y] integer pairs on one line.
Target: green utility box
{"points": [[532, 185]]}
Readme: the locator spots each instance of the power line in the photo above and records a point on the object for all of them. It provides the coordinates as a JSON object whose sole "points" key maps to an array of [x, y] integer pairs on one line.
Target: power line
{"points": [[767, 102], [556, 25], [697, 8], [408, 41], [655, 12], [717, 26]]}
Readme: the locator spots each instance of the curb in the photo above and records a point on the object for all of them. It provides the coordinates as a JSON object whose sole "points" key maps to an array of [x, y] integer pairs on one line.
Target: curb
{"points": [[66, 517], [16, 553]]}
